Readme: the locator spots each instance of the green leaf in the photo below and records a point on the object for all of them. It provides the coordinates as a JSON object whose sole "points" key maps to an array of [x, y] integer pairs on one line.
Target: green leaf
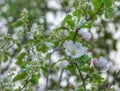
{"points": [[20, 57], [68, 17], [17, 23], [71, 68], [17, 89], [81, 88], [86, 68], [71, 23], [1, 56], [19, 47], [83, 59], [78, 14], [34, 80], [107, 3], [96, 4], [88, 25], [20, 76], [44, 70], [6, 54], [108, 14]]}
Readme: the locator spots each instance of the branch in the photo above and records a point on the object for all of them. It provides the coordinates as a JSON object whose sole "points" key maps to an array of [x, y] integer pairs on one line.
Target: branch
{"points": [[58, 86], [80, 73], [49, 65], [77, 29], [95, 12]]}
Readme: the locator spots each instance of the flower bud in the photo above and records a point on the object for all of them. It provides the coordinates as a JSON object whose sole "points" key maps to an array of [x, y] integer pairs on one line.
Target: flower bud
{"points": [[95, 61]]}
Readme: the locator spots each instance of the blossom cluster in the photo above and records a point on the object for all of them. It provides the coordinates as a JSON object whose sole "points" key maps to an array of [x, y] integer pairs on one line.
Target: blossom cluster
{"points": [[77, 50]]}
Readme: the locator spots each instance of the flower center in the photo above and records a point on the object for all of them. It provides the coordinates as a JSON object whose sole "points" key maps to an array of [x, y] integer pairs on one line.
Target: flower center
{"points": [[73, 52]]}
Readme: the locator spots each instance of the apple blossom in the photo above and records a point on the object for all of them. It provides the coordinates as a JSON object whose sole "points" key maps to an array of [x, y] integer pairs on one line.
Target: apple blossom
{"points": [[62, 64], [102, 63], [85, 35], [74, 50]]}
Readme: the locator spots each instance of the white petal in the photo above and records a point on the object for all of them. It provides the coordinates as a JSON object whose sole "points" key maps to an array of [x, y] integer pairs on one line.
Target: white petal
{"points": [[102, 62], [105, 68]]}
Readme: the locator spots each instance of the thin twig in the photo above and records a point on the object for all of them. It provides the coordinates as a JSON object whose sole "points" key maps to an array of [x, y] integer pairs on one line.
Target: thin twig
{"points": [[49, 65], [81, 76], [26, 82], [58, 85], [77, 29]]}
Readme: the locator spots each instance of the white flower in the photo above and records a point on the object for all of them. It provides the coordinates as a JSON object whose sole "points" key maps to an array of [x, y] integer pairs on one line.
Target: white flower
{"points": [[74, 50], [102, 63], [85, 35], [62, 64]]}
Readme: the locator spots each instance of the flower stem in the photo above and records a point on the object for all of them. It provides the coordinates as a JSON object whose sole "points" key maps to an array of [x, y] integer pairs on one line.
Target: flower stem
{"points": [[26, 82], [80, 73]]}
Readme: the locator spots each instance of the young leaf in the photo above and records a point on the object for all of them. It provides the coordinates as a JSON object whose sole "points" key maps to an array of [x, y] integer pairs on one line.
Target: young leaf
{"points": [[84, 59], [20, 57], [17, 23], [107, 3], [71, 23], [20, 76], [34, 80], [96, 4], [68, 17], [77, 13]]}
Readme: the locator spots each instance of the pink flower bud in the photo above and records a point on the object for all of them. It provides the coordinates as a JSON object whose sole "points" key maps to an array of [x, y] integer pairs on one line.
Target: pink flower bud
{"points": [[95, 61]]}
